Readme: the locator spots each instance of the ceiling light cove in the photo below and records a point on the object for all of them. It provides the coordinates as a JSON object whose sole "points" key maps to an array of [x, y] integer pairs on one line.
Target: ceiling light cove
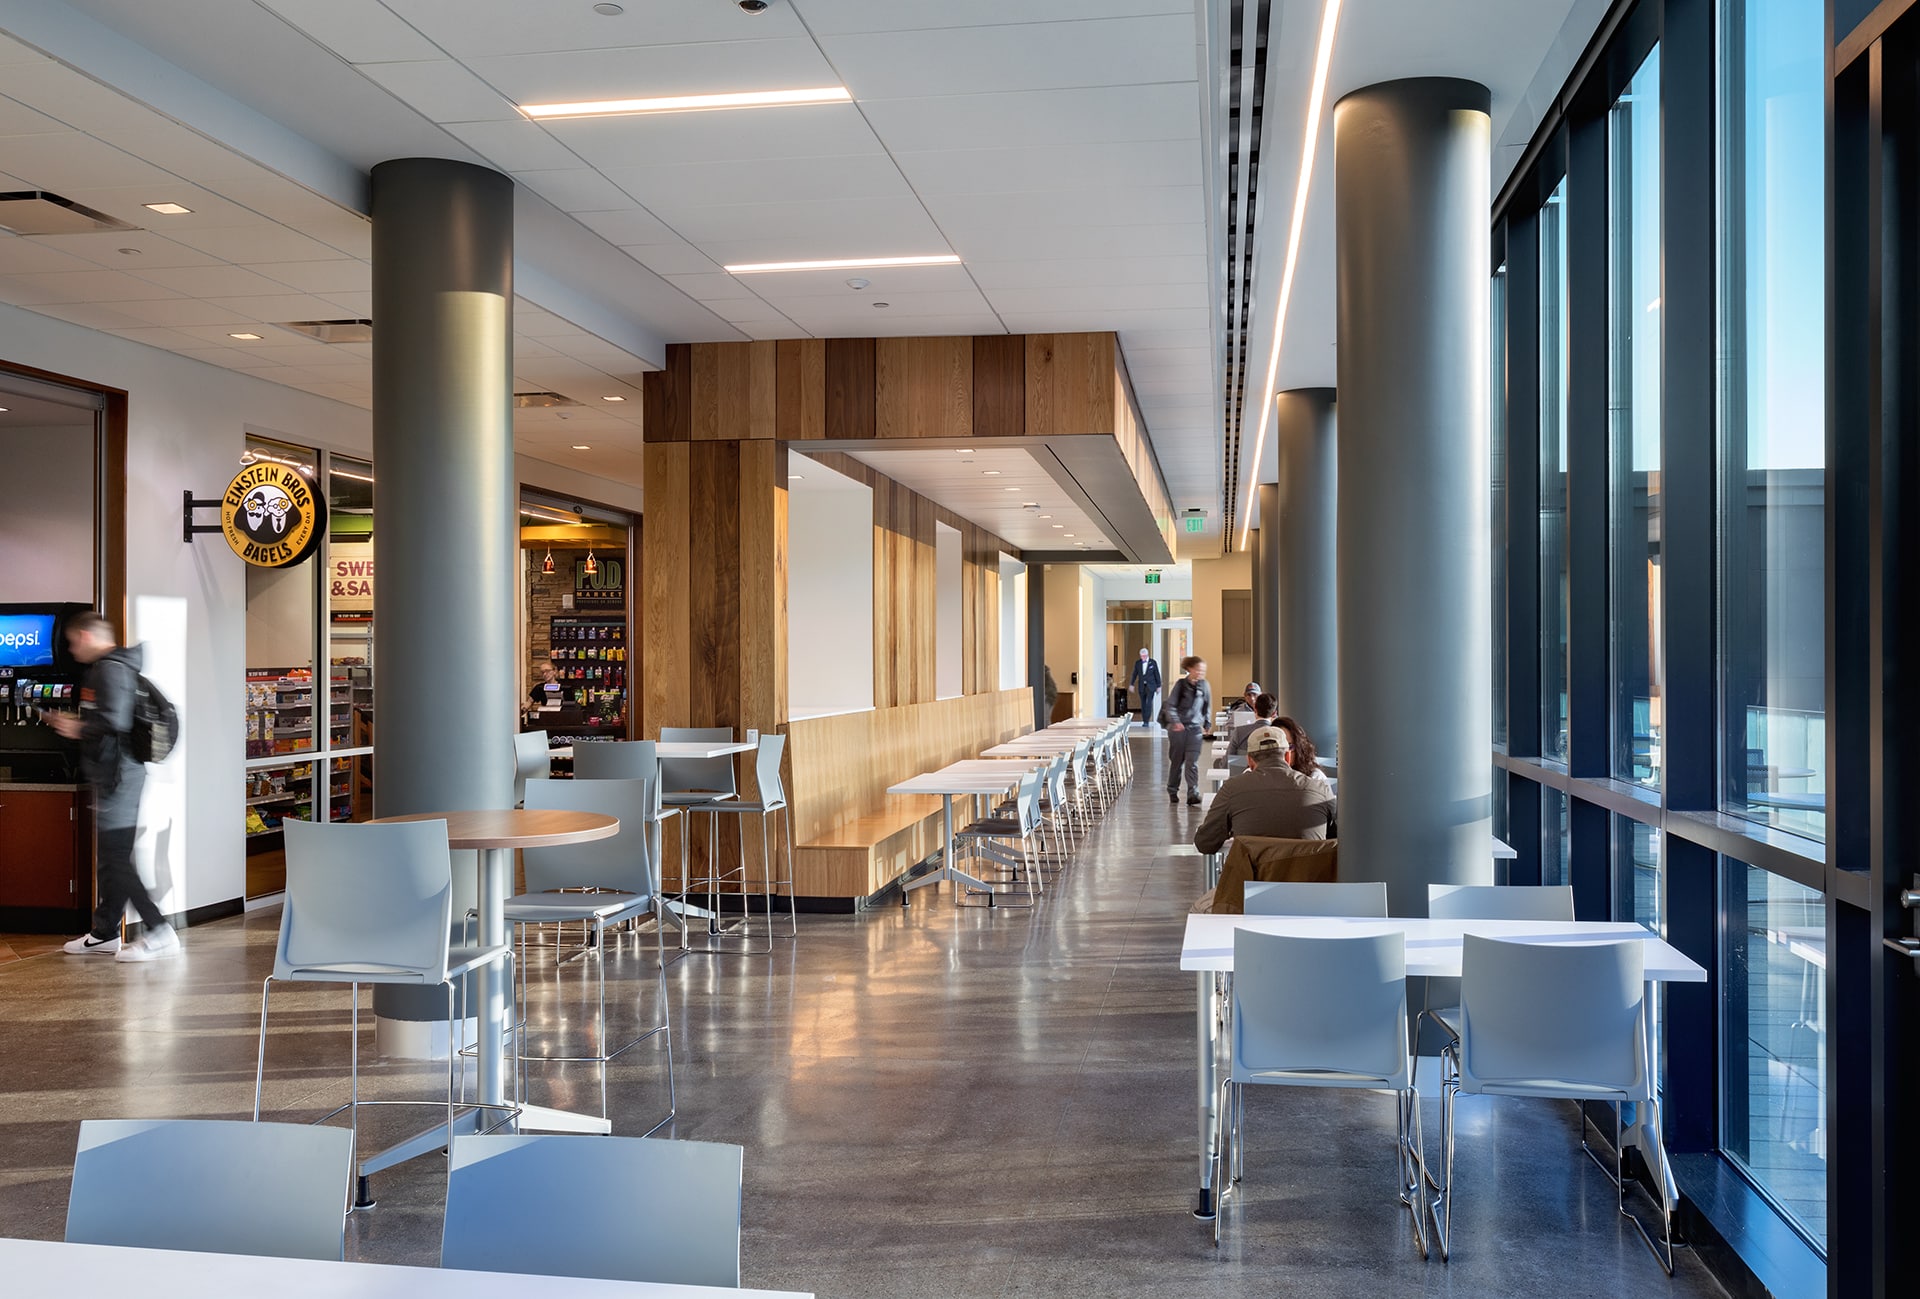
{"points": [[845, 264], [167, 209], [1316, 104], [689, 103]]}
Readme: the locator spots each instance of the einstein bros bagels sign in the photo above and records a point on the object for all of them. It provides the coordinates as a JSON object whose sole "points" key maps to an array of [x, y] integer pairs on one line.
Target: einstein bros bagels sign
{"points": [[271, 515]]}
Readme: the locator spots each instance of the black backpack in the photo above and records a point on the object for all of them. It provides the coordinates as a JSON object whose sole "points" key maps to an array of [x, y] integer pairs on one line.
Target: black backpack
{"points": [[156, 723]]}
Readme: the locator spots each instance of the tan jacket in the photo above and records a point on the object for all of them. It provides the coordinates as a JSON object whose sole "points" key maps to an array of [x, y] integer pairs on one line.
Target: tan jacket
{"points": [[1270, 860], [1272, 801]]}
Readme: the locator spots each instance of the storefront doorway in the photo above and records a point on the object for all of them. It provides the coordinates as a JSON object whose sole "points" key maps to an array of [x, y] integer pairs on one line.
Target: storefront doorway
{"points": [[580, 641]]}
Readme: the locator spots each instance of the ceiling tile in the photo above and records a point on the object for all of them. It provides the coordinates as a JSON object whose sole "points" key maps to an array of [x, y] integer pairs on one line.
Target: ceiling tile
{"points": [[74, 161], [90, 315], [1078, 208], [835, 17], [992, 241], [260, 243], [103, 249], [577, 189], [1107, 165], [1038, 117], [359, 31], [1028, 56], [213, 281], [278, 308], [627, 225], [804, 131], [442, 91], [1100, 297], [333, 275], [476, 28], [711, 287], [175, 312], [882, 282], [518, 145], [827, 228], [646, 71], [78, 286], [671, 189], [17, 119], [671, 258], [20, 254], [1082, 272]]}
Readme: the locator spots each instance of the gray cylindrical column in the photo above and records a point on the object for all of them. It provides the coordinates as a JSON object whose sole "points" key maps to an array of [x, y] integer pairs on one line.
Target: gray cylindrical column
{"points": [[1306, 680], [1037, 645], [443, 453], [1266, 602], [1411, 180]]}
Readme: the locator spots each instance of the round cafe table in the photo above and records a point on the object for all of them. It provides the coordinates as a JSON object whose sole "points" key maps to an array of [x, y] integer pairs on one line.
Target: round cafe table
{"points": [[496, 835]]}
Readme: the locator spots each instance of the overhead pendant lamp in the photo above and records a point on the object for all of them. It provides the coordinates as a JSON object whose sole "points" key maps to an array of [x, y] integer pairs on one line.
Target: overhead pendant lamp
{"points": [[546, 565], [592, 567]]}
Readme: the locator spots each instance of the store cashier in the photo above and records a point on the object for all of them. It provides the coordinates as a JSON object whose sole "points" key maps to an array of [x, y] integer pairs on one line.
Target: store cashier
{"points": [[550, 689]]}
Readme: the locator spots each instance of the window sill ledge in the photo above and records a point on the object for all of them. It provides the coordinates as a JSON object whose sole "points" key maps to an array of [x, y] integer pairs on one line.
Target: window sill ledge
{"points": [[1742, 1238]]}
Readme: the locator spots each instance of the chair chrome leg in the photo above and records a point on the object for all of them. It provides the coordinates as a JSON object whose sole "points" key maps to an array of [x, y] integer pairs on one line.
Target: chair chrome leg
{"points": [[260, 1063]]}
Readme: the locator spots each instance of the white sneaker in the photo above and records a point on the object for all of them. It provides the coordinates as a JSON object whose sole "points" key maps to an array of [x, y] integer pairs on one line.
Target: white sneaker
{"points": [[88, 945], [151, 946]]}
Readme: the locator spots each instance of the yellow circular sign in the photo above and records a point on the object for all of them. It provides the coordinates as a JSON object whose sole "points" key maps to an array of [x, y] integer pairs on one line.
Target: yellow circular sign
{"points": [[271, 515]]}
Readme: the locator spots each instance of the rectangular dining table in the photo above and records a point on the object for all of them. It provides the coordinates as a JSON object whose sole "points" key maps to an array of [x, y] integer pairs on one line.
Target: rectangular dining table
{"points": [[979, 777], [1433, 952], [46, 1269]]}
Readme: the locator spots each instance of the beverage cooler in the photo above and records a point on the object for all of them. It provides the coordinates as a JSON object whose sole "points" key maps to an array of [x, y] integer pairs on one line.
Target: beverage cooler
{"points": [[46, 833]]}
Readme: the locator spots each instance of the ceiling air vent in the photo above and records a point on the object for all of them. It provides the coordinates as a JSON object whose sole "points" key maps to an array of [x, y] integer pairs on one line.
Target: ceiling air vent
{"points": [[541, 400], [36, 212], [331, 331]]}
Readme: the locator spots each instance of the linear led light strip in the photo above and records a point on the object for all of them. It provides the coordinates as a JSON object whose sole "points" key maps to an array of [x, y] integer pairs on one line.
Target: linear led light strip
{"points": [[1316, 101], [845, 264], [690, 103]]}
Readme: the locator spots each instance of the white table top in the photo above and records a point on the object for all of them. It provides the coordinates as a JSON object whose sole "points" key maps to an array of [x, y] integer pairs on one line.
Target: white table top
{"points": [[677, 749], [45, 1269], [1433, 946], [989, 777], [1028, 746], [1502, 849]]}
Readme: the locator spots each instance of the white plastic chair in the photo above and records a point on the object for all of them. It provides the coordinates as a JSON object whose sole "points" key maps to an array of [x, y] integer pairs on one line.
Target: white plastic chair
{"points": [[990, 838], [1555, 1020], [631, 760], [530, 761], [1320, 1012], [1312, 898], [695, 785], [197, 1184], [1483, 902], [614, 1208], [601, 884], [372, 903], [773, 798]]}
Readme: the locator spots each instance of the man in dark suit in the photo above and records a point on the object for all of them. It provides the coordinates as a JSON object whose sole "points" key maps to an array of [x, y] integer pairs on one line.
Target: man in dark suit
{"points": [[1146, 680]]}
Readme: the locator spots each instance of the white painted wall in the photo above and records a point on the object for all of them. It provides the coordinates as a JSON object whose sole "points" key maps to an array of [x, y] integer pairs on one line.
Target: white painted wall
{"points": [[946, 621], [829, 592], [1060, 602], [186, 426], [1013, 623], [1092, 699], [46, 512]]}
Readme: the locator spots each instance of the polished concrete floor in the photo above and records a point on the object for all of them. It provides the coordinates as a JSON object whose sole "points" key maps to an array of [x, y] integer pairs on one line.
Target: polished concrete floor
{"points": [[933, 1101]]}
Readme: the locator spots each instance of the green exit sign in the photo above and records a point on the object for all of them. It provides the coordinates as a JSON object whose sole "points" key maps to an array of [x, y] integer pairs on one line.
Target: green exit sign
{"points": [[1196, 523], [1153, 579]]}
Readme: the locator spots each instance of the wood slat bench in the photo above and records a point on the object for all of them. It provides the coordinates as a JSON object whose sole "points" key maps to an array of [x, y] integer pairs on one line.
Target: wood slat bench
{"points": [[862, 855]]}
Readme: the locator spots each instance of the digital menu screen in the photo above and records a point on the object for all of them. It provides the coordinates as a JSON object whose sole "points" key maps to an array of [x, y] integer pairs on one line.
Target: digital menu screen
{"points": [[26, 640]]}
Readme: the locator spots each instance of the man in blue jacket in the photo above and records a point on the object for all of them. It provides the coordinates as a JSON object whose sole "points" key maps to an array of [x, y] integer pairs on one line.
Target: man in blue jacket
{"points": [[1146, 681]]}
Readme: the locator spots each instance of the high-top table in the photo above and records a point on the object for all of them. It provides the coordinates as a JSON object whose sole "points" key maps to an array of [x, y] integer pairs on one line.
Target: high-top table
{"points": [[497, 835], [1433, 952], [980, 777], [45, 1269]]}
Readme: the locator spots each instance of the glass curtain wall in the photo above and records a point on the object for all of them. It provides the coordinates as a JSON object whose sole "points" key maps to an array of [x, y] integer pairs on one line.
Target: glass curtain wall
{"points": [[1634, 423], [1554, 356], [1498, 458], [1772, 404]]}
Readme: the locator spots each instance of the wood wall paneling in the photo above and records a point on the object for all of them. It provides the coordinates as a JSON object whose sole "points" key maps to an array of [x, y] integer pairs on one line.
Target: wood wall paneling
{"points": [[1070, 384], [665, 572], [800, 386], [999, 386], [850, 412], [923, 387], [667, 415]]}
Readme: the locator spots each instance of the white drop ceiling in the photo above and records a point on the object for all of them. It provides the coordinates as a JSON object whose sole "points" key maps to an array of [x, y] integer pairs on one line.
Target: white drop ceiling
{"points": [[1054, 145], [992, 488]]}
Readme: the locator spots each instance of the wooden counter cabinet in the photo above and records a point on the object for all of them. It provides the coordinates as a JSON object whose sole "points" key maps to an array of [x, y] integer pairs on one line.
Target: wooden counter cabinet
{"points": [[46, 853]]}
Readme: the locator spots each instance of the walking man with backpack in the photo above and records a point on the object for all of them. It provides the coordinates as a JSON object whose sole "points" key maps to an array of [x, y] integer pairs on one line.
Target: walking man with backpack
{"points": [[105, 727]]}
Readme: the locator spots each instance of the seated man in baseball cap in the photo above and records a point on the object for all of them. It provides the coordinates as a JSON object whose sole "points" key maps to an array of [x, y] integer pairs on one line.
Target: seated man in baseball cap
{"points": [[1247, 699], [1269, 798]]}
